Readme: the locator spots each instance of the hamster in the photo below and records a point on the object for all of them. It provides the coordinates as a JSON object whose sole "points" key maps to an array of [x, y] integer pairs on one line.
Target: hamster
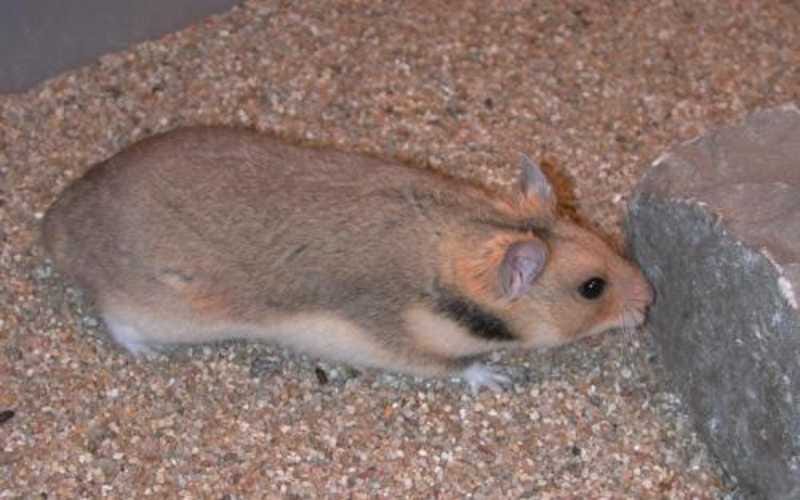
{"points": [[210, 233]]}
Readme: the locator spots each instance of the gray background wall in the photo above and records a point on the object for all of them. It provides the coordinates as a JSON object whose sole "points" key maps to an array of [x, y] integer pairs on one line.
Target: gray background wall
{"points": [[40, 38]]}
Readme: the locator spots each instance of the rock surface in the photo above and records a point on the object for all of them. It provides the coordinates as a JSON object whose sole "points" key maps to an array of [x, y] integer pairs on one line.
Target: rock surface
{"points": [[716, 225]]}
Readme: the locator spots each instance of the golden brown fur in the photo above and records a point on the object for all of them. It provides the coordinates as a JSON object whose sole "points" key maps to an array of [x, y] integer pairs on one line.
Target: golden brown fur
{"points": [[203, 234]]}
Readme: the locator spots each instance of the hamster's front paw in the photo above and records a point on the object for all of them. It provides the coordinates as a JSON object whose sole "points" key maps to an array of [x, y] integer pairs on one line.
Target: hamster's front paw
{"points": [[478, 376]]}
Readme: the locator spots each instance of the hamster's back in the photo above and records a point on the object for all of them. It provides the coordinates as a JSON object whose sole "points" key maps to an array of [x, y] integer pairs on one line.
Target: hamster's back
{"points": [[265, 221]]}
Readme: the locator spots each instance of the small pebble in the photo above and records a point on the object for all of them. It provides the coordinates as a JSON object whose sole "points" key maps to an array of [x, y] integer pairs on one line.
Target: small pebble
{"points": [[6, 415], [90, 321], [322, 377]]}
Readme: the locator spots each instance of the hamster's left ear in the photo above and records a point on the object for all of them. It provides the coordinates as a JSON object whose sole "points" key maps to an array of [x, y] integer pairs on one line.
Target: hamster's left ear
{"points": [[535, 187], [523, 262]]}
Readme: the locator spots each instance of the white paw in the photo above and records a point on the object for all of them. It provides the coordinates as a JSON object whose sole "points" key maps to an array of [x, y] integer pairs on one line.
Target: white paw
{"points": [[130, 338], [478, 376], [140, 350]]}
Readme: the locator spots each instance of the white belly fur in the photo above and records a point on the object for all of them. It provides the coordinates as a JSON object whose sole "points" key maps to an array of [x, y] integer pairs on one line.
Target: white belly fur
{"points": [[319, 334]]}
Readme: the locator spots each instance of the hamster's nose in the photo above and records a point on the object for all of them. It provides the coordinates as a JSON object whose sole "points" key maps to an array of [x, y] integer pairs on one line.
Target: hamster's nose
{"points": [[645, 292]]}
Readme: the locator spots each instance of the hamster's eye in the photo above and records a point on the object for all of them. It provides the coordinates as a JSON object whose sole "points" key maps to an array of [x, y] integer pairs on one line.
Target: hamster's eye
{"points": [[592, 288]]}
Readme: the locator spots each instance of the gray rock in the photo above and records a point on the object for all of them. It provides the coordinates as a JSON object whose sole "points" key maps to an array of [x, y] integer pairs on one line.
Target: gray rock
{"points": [[715, 224]]}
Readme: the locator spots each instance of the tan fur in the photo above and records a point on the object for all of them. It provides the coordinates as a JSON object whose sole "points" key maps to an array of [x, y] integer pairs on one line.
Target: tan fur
{"points": [[205, 234], [472, 265], [440, 336]]}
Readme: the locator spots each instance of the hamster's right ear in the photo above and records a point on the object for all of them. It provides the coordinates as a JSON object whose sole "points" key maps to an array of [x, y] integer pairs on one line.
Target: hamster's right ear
{"points": [[523, 262], [535, 187]]}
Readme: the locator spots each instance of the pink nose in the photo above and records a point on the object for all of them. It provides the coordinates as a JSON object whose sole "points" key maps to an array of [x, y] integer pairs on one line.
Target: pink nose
{"points": [[644, 292]]}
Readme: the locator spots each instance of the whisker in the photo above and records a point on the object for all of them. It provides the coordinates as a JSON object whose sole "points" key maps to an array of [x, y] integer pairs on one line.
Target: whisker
{"points": [[629, 334], [631, 323], [624, 329], [641, 302]]}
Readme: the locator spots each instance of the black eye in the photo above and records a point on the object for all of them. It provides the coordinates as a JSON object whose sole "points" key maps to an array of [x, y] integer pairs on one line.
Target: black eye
{"points": [[592, 288]]}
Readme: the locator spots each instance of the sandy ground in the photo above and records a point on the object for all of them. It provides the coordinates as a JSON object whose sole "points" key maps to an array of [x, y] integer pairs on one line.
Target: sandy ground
{"points": [[599, 89]]}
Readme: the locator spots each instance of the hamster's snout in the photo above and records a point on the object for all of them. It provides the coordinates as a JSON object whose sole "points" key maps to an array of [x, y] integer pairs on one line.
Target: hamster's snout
{"points": [[644, 293], [640, 297]]}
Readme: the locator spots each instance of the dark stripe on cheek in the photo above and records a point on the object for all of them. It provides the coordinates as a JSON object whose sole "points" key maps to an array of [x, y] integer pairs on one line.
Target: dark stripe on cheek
{"points": [[474, 318]]}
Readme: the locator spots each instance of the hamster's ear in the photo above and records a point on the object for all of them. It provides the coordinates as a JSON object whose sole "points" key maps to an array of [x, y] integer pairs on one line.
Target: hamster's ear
{"points": [[521, 265], [535, 186]]}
